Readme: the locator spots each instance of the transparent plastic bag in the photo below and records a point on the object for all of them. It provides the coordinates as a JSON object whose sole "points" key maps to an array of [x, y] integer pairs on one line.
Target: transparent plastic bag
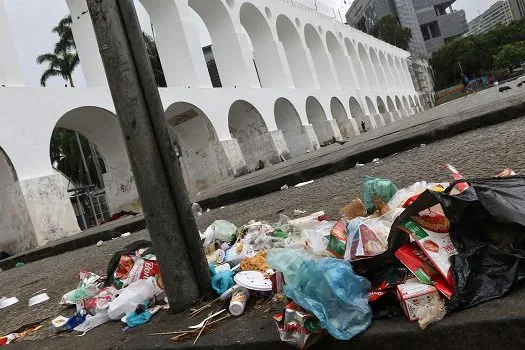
{"points": [[220, 230], [338, 297], [287, 261]]}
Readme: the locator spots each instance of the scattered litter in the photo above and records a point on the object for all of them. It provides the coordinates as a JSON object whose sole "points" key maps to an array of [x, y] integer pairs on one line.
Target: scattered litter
{"points": [[99, 243], [222, 207], [298, 212], [376, 160], [19, 264], [238, 302], [6, 302], [59, 324], [284, 187], [304, 184], [196, 208], [125, 234], [38, 299], [422, 145], [358, 165]]}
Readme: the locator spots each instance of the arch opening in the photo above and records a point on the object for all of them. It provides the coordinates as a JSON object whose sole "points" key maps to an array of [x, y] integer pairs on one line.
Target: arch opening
{"points": [[386, 68], [371, 106], [340, 61], [319, 56], [227, 52], [406, 104], [357, 113], [247, 126], [266, 55], [88, 151], [361, 80], [16, 229], [369, 68], [317, 117], [377, 67], [341, 117], [399, 105], [381, 106], [390, 104], [202, 156], [298, 138], [295, 52]]}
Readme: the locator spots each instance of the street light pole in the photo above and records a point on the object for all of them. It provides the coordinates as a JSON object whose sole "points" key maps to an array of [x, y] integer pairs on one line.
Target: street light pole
{"points": [[156, 168]]}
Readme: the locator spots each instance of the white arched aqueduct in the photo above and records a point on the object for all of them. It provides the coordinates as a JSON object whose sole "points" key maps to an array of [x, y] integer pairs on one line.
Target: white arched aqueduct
{"points": [[292, 81]]}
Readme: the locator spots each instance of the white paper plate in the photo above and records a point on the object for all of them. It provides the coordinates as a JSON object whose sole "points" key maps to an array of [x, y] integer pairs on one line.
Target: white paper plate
{"points": [[37, 299], [253, 280]]}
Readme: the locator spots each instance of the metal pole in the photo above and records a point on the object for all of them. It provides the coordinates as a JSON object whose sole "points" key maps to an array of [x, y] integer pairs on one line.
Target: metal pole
{"points": [[88, 175], [156, 168], [83, 158], [94, 156]]}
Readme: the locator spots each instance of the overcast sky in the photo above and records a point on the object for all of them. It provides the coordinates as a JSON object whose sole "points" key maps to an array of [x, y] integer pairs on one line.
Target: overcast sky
{"points": [[31, 22]]}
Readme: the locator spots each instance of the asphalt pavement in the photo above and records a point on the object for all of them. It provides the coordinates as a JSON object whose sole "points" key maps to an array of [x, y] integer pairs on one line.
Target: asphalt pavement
{"points": [[478, 153]]}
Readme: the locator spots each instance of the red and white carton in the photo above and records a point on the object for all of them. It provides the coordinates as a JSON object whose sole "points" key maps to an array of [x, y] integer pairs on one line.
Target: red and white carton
{"points": [[414, 295]]}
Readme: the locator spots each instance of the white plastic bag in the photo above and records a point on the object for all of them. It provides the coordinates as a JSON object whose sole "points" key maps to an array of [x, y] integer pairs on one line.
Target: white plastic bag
{"points": [[136, 293]]}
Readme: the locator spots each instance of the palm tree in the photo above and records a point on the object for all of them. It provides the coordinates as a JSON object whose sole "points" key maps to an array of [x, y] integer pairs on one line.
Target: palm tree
{"points": [[60, 64], [64, 31]]}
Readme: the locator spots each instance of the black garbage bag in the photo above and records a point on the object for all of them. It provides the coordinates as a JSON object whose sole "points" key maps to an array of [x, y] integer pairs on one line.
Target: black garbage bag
{"points": [[487, 227]]}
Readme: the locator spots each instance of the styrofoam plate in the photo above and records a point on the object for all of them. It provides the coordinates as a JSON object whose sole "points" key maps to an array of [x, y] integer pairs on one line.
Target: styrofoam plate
{"points": [[253, 280]]}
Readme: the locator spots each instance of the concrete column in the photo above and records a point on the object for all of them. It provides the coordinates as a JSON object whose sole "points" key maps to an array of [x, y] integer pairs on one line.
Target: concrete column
{"points": [[311, 65], [235, 70], [388, 117], [10, 72], [372, 123], [379, 120], [178, 42], [121, 191], [300, 140], [286, 66], [396, 115], [403, 114], [86, 44], [17, 232], [326, 131], [49, 208], [348, 127], [235, 158], [268, 148]]}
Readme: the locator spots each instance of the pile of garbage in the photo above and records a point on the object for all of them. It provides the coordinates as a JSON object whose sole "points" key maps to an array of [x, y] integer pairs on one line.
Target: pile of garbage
{"points": [[429, 248]]}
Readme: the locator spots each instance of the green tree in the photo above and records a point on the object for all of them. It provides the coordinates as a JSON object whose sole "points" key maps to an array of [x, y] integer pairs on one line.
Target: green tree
{"points": [[65, 33], [390, 31], [510, 55], [60, 64], [476, 53]]}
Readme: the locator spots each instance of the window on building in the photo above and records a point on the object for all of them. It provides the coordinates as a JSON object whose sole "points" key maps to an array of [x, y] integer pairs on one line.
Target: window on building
{"points": [[430, 30]]}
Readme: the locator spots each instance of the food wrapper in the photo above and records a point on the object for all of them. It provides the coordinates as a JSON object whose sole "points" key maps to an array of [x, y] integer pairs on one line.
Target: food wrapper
{"points": [[297, 327], [430, 230], [422, 267], [337, 241], [87, 287], [370, 238], [415, 296], [457, 176], [136, 267], [99, 301], [356, 208]]}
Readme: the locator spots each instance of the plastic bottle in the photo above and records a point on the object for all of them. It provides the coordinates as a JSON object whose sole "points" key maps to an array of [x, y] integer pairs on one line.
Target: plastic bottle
{"points": [[138, 292], [238, 302]]}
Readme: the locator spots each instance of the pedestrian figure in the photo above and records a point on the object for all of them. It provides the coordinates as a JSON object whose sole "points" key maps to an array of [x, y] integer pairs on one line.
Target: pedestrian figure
{"points": [[466, 82], [363, 125]]}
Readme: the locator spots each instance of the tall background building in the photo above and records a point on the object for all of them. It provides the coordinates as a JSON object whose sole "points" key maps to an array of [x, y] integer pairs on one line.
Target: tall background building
{"points": [[500, 13], [433, 22]]}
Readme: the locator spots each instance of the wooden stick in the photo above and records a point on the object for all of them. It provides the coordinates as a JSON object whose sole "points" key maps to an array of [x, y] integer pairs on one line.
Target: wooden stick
{"points": [[202, 330]]}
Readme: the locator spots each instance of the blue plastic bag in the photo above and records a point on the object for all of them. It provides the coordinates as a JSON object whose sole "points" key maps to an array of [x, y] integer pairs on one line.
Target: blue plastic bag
{"points": [[287, 261], [221, 281], [329, 289]]}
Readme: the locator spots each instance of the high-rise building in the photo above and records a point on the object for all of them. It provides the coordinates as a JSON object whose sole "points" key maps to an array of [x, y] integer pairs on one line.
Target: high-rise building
{"points": [[517, 7], [433, 22], [498, 14]]}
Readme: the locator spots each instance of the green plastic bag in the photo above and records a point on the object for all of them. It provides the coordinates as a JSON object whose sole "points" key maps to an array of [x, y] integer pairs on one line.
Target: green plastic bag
{"points": [[374, 187]]}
